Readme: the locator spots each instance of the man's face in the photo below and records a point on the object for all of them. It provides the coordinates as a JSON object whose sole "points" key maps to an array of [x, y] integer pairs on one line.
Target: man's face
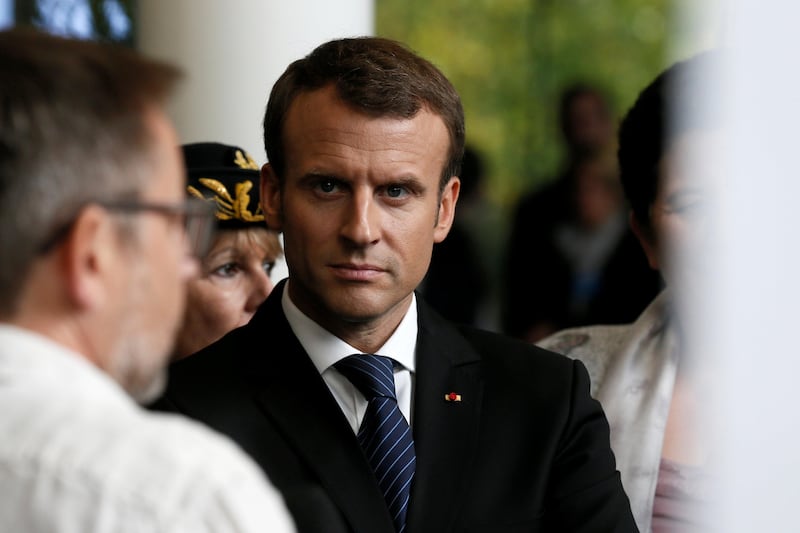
{"points": [[155, 273], [360, 209]]}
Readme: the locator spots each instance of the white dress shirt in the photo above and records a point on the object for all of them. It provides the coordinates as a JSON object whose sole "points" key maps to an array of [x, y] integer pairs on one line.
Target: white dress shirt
{"points": [[325, 350], [77, 455]]}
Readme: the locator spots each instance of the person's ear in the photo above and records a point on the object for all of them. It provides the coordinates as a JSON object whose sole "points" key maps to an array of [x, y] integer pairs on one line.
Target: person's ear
{"points": [[447, 209], [270, 189], [87, 257], [647, 239]]}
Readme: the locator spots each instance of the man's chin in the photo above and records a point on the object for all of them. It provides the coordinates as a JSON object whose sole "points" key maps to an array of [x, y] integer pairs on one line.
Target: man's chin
{"points": [[152, 390]]}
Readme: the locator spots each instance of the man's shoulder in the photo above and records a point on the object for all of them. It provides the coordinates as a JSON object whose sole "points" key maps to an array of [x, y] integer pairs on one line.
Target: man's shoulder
{"points": [[496, 346], [155, 471], [487, 347], [128, 461], [513, 365], [232, 367]]}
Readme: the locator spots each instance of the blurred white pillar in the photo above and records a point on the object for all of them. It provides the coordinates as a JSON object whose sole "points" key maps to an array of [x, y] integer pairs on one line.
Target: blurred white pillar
{"points": [[232, 52], [755, 287]]}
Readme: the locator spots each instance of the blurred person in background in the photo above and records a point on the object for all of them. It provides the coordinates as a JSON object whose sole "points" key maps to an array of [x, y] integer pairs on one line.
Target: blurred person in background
{"points": [[457, 284], [571, 258], [654, 395], [235, 273]]}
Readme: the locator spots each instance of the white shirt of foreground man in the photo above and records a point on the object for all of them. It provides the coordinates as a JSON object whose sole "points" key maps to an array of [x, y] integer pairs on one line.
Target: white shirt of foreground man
{"points": [[79, 455], [98, 243]]}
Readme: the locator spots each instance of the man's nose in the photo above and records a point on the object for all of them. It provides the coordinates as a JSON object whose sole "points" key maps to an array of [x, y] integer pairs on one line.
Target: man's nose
{"points": [[362, 219]]}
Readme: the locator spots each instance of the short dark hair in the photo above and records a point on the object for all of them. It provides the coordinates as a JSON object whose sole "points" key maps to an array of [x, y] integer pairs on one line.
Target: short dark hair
{"points": [[74, 128], [673, 104], [376, 76]]}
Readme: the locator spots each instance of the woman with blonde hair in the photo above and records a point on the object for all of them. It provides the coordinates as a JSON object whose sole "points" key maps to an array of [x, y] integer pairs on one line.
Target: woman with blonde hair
{"points": [[235, 272]]}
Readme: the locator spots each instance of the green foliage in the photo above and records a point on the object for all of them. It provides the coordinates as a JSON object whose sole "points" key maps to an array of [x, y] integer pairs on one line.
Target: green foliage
{"points": [[509, 60]]}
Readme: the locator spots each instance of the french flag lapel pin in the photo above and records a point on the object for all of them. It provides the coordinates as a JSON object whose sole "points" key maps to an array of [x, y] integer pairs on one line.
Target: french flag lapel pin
{"points": [[452, 397]]}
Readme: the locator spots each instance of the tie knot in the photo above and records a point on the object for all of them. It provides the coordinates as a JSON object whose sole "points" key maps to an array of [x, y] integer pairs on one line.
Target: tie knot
{"points": [[373, 375]]}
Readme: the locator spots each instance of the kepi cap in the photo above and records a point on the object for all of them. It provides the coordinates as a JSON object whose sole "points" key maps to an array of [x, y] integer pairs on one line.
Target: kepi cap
{"points": [[228, 176]]}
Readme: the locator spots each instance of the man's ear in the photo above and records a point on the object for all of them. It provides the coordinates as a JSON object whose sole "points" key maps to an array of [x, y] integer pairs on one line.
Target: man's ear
{"points": [[646, 239], [270, 189], [87, 257], [447, 209]]}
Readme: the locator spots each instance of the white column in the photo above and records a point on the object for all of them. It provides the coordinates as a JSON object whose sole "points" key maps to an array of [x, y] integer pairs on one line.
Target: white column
{"points": [[754, 287], [233, 51]]}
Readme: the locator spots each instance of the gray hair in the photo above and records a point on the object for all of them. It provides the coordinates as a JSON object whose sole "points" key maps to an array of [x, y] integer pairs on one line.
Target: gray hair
{"points": [[73, 130]]}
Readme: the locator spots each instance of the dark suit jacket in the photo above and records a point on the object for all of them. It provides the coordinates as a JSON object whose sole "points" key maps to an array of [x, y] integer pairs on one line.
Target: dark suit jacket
{"points": [[527, 448]]}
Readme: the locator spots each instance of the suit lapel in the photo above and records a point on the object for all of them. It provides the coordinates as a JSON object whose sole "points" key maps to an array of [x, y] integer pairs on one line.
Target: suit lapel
{"points": [[295, 397], [445, 432]]}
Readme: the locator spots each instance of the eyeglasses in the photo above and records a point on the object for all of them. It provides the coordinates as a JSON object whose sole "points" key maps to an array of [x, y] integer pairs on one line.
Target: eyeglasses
{"points": [[197, 217]]}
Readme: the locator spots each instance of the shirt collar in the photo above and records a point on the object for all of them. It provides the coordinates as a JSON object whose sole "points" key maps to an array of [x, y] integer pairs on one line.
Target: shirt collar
{"points": [[326, 349], [24, 352]]}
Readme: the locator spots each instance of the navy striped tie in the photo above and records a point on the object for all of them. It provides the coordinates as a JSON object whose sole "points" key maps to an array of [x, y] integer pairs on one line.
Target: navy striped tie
{"points": [[384, 434]]}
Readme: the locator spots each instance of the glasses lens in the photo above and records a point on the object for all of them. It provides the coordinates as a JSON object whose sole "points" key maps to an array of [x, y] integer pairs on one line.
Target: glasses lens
{"points": [[200, 226]]}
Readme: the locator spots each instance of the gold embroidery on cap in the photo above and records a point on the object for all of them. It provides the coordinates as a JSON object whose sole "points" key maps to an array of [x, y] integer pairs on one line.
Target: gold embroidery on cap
{"points": [[227, 207], [243, 160]]}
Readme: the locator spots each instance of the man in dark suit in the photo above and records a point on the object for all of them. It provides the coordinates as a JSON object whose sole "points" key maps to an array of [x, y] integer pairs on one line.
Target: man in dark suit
{"points": [[365, 140]]}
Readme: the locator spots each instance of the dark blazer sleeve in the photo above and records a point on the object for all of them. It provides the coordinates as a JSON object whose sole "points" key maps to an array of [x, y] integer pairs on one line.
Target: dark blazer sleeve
{"points": [[585, 488]]}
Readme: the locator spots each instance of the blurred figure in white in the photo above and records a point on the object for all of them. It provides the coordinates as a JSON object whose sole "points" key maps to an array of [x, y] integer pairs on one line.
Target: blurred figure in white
{"points": [[96, 235]]}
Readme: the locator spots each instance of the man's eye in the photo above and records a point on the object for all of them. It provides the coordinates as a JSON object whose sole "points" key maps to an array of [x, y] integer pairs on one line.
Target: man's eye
{"points": [[327, 185], [395, 191]]}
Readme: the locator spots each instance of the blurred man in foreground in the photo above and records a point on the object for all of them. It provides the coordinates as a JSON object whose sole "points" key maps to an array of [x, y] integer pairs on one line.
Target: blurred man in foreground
{"points": [[95, 236]]}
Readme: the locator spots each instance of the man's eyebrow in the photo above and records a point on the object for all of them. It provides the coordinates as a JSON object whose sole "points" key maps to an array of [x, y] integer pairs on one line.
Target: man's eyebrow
{"points": [[320, 175], [409, 180]]}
